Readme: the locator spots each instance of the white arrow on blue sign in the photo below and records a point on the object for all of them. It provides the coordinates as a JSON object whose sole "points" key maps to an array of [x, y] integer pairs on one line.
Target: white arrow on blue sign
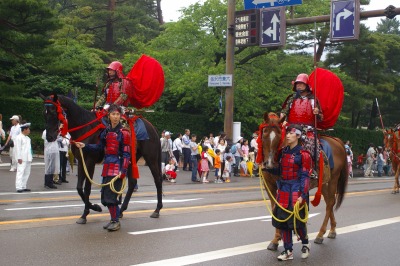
{"points": [[273, 25], [252, 4], [345, 20]]}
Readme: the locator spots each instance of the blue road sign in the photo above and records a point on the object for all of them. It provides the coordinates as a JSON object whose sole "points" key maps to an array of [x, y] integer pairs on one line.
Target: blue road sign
{"points": [[345, 20], [251, 4], [273, 25]]}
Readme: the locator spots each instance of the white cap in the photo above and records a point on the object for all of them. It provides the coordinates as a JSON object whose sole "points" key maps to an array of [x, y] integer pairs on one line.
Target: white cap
{"points": [[25, 125], [15, 117], [167, 133], [238, 138]]}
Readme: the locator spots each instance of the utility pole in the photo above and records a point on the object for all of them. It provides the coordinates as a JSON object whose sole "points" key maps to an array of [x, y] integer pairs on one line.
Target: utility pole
{"points": [[230, 65]]}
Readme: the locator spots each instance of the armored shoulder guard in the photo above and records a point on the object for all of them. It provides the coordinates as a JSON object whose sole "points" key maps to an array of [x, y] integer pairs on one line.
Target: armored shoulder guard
{"points": [[306, 160], [126, 136]]}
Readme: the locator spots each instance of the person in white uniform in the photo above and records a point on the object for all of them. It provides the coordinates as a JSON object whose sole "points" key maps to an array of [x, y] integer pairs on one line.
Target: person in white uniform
{"points": [[23, 155], [14, 132]]}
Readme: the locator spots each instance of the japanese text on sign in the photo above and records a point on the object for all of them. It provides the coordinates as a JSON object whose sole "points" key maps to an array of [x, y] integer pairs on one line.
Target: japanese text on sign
{"points": [[220, 80]]}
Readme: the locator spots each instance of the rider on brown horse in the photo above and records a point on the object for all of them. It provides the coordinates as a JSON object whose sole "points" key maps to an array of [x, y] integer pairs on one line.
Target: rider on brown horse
{"points": [[301, 108]]}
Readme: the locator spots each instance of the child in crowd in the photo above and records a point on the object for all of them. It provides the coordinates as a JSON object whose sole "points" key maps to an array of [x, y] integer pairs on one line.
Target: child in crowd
{"points": [[204, 164], [251, 166], [245, 148], [217, 166], [170, 170], [228, 169], [360, 160], [349, 164], [226, 154], [243, 167]]}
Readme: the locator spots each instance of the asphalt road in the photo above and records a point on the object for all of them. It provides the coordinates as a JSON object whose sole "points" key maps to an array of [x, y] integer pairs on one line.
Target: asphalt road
{"points": [[200, 224]]}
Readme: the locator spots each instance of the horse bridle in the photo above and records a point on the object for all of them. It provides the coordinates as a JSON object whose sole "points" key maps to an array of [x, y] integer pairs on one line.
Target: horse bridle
{"points": [[60, 115], [393, 149]]}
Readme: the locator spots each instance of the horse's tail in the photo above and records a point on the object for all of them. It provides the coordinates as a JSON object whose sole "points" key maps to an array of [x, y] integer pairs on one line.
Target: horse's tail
{"points": [[342, 182]]}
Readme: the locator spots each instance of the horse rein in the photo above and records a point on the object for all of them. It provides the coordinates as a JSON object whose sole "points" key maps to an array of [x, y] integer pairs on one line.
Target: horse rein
{"points": [[61, 117]]}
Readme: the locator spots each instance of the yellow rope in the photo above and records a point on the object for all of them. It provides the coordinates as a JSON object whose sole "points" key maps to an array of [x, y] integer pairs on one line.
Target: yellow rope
{"points": [[111, 183], [296, 209]]}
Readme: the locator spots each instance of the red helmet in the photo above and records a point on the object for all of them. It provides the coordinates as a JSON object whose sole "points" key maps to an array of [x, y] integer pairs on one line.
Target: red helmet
{"points": [[301, 78], [117, 66]]}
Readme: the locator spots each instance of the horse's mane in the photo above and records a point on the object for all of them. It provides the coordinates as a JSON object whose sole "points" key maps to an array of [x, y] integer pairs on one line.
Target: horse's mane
{"points": [[74, 109], [271, 117]]}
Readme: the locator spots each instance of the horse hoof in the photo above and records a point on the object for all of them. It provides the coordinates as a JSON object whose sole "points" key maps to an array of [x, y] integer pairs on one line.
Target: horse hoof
{"points": [[121, 215], [97, 208], [272, 246], [155, 215], [332, 235], [319, 240], [394, 192], [81, 221]]}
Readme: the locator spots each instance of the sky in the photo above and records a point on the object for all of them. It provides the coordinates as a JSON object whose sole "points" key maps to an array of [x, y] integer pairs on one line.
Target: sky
{"points": [[171, 9]]}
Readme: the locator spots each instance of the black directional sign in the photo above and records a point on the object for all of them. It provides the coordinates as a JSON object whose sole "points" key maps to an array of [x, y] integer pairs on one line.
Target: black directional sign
{"points": [[246, 28], [273, 27]]}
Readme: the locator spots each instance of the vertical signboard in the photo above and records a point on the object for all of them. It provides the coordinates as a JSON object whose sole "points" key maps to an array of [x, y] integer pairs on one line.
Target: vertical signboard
{"points": [[246, 28], [345, 20], [273, 27]]}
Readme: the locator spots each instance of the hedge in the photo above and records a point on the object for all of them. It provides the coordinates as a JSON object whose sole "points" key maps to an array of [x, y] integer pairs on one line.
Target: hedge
{"points": [[32, 111]]}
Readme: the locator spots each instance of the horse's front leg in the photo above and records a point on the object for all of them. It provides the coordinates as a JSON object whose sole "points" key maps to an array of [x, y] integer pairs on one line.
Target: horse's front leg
{"points": [[332, 231], [79, 188], [84, 194], [273, 245], [156, 212], [131, 186], [396, 181], [330, 201]]}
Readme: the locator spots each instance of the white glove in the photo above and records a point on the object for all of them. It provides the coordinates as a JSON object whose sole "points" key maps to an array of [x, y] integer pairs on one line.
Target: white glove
{"points": [[106, 106]]}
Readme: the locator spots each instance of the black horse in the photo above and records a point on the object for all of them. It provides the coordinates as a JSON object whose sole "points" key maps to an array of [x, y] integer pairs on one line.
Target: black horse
{"points": [[77, 116]]}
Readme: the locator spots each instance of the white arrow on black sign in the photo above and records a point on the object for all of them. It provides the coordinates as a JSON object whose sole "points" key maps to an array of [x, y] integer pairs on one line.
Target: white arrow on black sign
{"points": [[273, 31]]}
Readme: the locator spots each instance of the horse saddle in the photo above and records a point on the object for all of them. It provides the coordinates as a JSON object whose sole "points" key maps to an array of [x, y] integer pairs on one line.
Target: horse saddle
{"points": [[327, 164]]}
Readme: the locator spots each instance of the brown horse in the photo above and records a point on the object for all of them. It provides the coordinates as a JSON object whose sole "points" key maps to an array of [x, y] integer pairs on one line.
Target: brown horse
{"points": [[334, 181], [392, 143]]}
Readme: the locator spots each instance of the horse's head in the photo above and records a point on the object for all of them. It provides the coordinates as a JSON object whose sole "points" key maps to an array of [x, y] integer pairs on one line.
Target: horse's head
{"points": [[51, 117], [388, 138], [271, 139]]}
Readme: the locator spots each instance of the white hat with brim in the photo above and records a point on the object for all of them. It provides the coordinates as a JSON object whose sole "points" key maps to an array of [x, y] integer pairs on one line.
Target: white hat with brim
{"points": [[15, 117], [25, 125], [167, 133], [238, 138]]}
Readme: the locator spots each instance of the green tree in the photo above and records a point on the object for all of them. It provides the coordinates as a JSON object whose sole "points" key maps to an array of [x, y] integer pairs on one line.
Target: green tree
{"points": [[105, 24], [25, 29]]}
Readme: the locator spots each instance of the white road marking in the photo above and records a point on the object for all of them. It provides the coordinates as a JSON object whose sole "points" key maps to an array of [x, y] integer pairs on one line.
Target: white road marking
{"points": [[229, 252], [309, 216], [8, 164], [41, 192], [202, 225], [81, 205]]}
